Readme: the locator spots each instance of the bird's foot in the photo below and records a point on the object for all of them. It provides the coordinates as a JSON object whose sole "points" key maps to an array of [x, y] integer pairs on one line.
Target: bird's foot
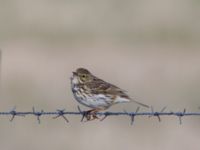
{"points": [[90, 115]]}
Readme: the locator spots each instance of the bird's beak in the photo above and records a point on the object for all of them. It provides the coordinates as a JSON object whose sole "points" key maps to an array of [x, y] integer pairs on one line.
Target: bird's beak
{"points": [[74, 74]]}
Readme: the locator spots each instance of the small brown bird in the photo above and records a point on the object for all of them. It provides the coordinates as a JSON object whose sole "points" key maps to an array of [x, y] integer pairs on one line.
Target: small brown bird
{"points": [[95, 93]]}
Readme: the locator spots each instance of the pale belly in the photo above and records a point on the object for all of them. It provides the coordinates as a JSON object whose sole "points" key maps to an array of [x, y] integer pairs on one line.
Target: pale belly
{"points": [[93, 101]]}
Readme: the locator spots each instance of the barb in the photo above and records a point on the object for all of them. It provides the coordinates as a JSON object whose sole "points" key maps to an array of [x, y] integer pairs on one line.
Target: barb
{"points": [[13, 113], [37, 114], [133, 115], [83, 113], [61, 113], [157, 114]]}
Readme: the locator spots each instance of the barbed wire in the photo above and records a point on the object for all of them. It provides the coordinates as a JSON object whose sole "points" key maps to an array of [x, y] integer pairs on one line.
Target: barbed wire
{"points": [[62, 113]]}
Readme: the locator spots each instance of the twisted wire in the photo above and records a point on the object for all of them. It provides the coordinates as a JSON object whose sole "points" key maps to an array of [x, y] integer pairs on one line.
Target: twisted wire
{"points": [[62, 113]]}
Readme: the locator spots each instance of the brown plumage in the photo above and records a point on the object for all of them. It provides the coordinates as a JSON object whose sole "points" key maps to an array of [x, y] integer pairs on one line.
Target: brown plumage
{"points": [[96, 93]]}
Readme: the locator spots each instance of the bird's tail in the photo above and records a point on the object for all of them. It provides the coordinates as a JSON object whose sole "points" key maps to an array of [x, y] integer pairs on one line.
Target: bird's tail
{"points": [[144, 105]]}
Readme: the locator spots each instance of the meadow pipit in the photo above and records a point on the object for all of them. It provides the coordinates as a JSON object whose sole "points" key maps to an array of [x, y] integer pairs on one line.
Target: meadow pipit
{"points": [[95, 93]]}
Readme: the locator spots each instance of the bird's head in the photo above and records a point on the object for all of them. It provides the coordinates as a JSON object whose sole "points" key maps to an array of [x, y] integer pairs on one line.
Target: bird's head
{"points": [[82, 75]]}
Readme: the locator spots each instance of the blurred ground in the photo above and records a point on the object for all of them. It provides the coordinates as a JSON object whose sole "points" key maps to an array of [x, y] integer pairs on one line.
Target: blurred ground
{"points": [[148, 48]]}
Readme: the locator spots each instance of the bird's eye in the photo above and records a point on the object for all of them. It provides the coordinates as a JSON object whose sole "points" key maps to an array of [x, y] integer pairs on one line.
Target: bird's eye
{"points": [[83, 76]]}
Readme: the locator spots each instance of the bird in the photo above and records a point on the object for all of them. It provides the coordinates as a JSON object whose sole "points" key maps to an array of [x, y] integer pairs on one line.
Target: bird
{"points": [[96, 93]]}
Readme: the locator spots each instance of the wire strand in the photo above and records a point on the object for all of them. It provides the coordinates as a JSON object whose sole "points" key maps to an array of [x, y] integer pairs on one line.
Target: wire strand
{"points": [[62, 113]]}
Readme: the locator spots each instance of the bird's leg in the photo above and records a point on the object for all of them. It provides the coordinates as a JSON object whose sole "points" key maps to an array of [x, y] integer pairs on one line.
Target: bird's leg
{"points": [[91, 114]]}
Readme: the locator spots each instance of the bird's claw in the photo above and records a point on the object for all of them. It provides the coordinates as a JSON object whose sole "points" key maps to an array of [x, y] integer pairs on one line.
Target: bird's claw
{"points": [[90, 115]]}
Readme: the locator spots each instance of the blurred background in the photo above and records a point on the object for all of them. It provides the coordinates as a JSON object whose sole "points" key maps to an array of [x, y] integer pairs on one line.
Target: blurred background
{"points": [[149, 48]]}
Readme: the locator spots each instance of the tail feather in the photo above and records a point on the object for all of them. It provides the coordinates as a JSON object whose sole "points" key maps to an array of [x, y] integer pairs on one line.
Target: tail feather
{"points": [[144, 105]]}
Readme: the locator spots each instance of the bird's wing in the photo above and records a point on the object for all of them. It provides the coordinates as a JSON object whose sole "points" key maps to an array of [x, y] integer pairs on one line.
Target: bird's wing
{"points": [[98, 86]]}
